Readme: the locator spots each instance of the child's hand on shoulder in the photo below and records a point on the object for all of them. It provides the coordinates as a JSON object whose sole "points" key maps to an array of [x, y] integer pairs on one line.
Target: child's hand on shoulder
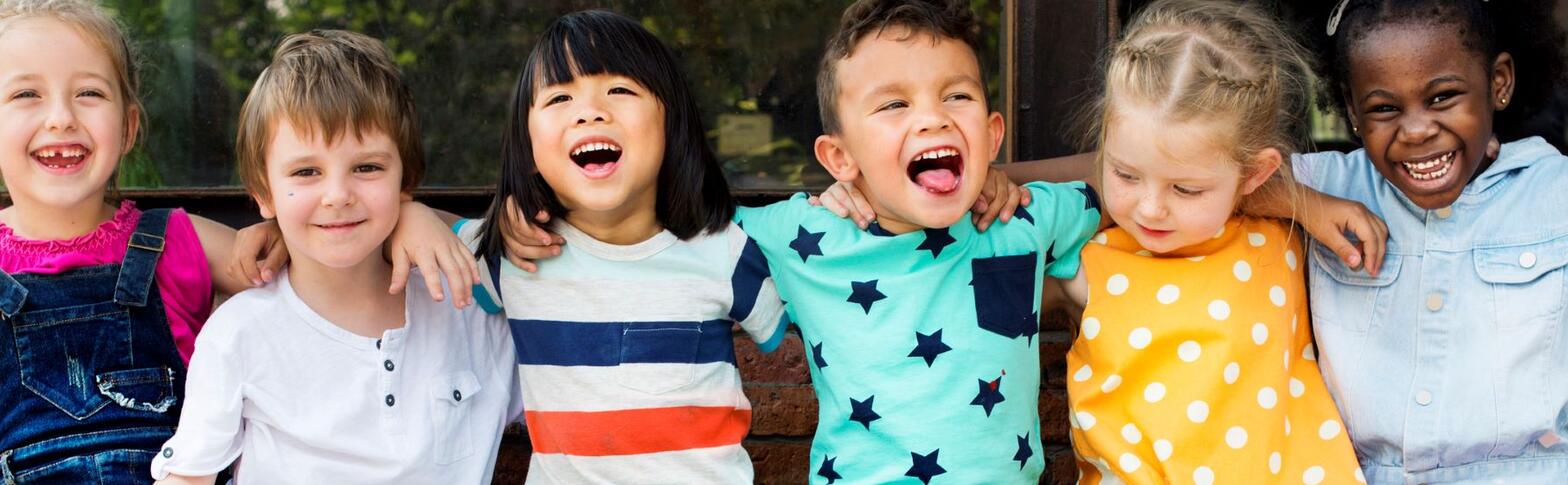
{"points": [[999, 197], [1328, 218], [424, 240], [258, 253], [529, 241]]}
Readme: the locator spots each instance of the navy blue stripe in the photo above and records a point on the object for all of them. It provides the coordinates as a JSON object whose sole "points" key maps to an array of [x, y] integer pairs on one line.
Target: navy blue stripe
{"points": [[494, 262], [603, 344], [750, 271]]}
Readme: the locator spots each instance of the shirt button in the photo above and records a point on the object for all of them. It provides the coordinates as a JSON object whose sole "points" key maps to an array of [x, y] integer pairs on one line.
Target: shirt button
{"points": [[388, 365], [457, 395], [1423, 397], [168, 453], [390, 400], [1444, 213], [1527, 260], [1434, 302], [378, 343]]}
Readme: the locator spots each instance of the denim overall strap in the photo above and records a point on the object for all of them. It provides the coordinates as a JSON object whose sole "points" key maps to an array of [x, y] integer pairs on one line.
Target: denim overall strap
{"points": [[141, 258], [12, 295]]}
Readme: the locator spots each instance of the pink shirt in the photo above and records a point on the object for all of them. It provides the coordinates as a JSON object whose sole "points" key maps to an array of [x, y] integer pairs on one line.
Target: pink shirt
{"points": [[184, 281]]}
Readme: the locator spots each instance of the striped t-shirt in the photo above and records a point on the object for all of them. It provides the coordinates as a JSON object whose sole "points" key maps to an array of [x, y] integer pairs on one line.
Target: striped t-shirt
{"points": [[626, 354]]}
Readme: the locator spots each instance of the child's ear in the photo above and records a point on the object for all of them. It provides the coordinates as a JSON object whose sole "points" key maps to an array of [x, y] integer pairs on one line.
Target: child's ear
{"points": [[998, 133], [133, 125], [833, 156], [1502, 80], [1264, 164], [265, 204]]}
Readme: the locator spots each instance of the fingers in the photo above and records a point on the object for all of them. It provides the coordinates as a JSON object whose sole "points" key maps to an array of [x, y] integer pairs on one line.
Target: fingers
{"points": [[1342, 247], [276, 256], [429, 264], [523, 264], [1015, 196], [529, 250], [399, 272], [862, 207], [459, 278], [1373, 234], [839, 205]]}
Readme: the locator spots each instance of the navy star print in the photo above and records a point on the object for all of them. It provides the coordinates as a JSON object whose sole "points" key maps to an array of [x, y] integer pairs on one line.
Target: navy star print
{"points": [[936, 240], [990, 394], [807, 243], [816, 356], [1024, 451], [1091, 200], [1021, 213], [924, 466], [861, 411], [826, 470], [929, 346], [865, 293]]}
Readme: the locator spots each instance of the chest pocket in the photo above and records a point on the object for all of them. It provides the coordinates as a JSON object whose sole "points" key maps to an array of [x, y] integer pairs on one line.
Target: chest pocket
{"points": [[79, 359], [1349, 300], [646, 350], [1526, 280], [1005, 295], [452, 415]]}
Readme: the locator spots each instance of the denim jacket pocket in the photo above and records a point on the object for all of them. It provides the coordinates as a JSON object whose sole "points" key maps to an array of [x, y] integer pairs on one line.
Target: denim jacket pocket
{"points": [[1348, 299], [1527, 280], [65, 354], [1005, 294], [451, 416], [647, 351]]}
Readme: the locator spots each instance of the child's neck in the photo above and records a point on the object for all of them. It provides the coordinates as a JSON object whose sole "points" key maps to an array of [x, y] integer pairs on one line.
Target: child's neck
{"points": [[353, 298], [624, 226], [43, 222]]}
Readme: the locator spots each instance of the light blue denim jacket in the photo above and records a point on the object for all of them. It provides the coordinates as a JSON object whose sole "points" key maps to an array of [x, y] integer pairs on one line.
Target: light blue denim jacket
{"points": [[1451, 366]]}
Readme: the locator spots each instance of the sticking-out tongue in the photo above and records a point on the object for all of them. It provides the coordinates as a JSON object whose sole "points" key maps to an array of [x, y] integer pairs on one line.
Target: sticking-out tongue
{"points": [[937, 180]]}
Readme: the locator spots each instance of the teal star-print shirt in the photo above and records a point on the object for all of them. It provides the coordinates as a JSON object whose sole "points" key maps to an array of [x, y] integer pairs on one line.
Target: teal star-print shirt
{"points": [[921, 345]]}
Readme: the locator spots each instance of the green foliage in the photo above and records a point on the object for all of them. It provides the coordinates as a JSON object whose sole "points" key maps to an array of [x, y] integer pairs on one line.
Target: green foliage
{"points": [[461, 58]]}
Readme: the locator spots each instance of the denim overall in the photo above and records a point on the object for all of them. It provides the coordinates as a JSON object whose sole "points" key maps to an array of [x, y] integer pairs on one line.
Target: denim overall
{"points": [[90, 380]]}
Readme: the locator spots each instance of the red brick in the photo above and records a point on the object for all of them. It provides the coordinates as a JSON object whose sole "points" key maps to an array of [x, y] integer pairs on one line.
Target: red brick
{"points": [[779, 461], [785, 365], [782, 410]]}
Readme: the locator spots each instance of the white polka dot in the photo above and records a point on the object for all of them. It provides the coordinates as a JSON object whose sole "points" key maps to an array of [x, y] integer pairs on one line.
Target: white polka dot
{"points": [[1286, 359], [1267, 398], [1130, 462], [1154, 392], [1260, 333], [1232, 372], [1277, 296], [1189, 351], [1111, 383], [1329, 430], [1313, 476], [1083, 374], [1101, 238], [1198, 411], [1290, 259], [1091, 328], [1195, 259], [1162, 449], [1287, 425], [1297, 388], [1309, 352], [1219, 310], [1139, 338], [1236, 437], [1274, 462], [1219, 233], [1256, 239], [1131, 434], [1168, 294], [1242, 270], [1361, 477], [1203, 476], [1117, 284], [1144, 252], [1086, 421]]}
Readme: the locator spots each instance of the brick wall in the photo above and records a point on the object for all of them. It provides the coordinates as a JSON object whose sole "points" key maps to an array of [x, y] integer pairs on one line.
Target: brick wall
{"points": [[784, 411]]}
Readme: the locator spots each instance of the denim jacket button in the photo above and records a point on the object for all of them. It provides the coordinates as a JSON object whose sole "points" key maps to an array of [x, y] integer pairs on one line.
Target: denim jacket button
{"points": [[1434, 302], [1527, 260], [1444, 213], [1423, 397]]}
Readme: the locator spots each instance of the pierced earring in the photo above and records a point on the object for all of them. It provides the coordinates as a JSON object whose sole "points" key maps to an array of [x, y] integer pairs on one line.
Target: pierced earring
{"points": [[1505, 101], [1355, 129]]}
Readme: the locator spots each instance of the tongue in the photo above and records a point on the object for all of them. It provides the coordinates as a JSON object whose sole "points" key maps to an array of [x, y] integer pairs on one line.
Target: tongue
{"points": [[938, 180], [597, 167]]}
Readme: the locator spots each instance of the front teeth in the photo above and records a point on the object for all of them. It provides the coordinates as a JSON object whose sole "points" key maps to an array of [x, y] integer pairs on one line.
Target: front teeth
{"points": [[1445, 161], [591, 147], [61, 152], [938, 153]]}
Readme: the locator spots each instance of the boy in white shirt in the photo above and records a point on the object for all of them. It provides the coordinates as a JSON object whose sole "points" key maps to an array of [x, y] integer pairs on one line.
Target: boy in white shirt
{"points": [[323, 377]]}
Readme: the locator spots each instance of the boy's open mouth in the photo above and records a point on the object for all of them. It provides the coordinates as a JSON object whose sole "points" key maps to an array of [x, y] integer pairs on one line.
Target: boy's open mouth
{"points": [[597, 157], [937, 170], [1430, 168], [61, 157]]}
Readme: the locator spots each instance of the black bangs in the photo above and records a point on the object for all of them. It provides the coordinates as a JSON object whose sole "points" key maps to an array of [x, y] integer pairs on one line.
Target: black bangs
{"points": [[596, 42]]}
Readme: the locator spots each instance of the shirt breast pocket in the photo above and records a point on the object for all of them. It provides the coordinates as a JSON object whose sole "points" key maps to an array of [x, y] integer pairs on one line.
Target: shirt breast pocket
{"points": [[451, 416], [1005, 294], [1526, 281], [648, 352], [1349, 300]]}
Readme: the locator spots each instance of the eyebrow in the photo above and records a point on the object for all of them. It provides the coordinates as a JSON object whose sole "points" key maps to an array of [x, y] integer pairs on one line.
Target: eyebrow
{"points": [[1429, 85], [895, 87]]}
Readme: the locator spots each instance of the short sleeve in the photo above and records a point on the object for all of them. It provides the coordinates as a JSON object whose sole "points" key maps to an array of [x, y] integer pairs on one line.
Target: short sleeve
{"points": [[487, 292], [211, 430], [755, 304], [1065, 216]]}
